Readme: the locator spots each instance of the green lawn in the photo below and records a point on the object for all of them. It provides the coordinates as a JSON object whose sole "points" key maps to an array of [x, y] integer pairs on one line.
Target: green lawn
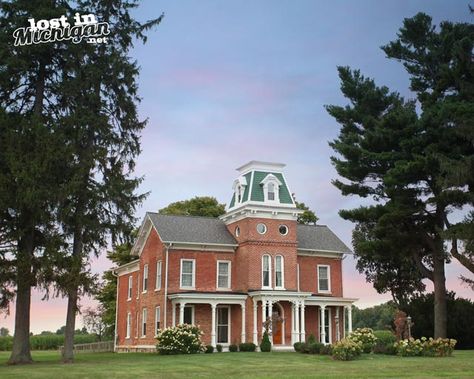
{"points": [[238, 365]]}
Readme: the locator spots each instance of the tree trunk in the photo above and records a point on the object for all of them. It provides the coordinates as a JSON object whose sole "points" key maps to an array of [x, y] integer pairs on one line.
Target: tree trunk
{"points": [[440, 303], [68, 352], [21, 352]]}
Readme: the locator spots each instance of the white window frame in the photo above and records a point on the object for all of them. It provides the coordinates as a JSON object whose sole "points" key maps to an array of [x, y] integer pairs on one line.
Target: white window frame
{"points": [[229, 273], [329, 279], [269, 272], [159, 266], [157, 319], [129, 325], [193, 286], [270, 178], [130, 287], [145, 279], [144, 322], [192, 313], [138, 285], [229, 325], [282, 287]]}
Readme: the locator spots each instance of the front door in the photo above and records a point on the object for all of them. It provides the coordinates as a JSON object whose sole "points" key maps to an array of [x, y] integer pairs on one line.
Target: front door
{"points": [[277, 326]]}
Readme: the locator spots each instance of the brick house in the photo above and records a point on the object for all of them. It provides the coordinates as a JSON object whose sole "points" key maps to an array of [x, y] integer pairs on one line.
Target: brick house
{"points": [[228, 275]]}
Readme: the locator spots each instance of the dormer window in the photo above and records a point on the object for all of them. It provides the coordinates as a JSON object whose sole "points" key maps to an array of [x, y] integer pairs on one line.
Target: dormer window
{"points": [[271, 191], [239, 190], [271, 188]]}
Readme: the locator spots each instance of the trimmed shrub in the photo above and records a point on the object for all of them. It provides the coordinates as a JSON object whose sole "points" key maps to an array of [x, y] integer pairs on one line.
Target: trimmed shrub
{"points": [[209, 349], [314, 348], [298, 346], [384, 343], [366, 337], [233, 348], [219, 348], [181, 339], [326, 350], [346, 349], [248, 346], [311, 339], [265, 345]]}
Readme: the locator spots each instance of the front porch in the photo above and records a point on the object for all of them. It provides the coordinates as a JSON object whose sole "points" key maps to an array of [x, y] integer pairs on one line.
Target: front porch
{"points": [[294, 316]]}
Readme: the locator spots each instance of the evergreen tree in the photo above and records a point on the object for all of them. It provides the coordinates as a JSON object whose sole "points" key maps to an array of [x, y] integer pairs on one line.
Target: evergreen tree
{"points": [[31, 159], [98, 98], [413, 165]]}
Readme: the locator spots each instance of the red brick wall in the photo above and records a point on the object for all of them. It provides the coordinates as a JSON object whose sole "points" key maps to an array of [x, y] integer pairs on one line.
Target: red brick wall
{"points": [[308, 274]]}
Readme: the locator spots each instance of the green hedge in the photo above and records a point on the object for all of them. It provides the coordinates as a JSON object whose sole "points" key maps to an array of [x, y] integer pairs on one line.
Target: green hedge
{"points": [[47, 342]]}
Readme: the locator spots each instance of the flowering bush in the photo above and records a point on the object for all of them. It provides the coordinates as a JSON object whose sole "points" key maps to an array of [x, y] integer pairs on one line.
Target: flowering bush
{"points": [[440, 347], [365, 336], [346, 349], [181, 339], [409, 347]]}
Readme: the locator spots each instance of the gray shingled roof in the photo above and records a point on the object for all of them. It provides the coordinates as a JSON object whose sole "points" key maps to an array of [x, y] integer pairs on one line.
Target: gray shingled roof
{"points": [[319, 237], [205, 230]]}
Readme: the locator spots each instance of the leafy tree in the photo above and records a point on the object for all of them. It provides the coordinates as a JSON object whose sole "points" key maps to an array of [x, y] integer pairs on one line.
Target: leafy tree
{"points": [[308, 217], [61, 330], [93, 321], [405, 161], [378, 317], [198, 206], [107, 296]]}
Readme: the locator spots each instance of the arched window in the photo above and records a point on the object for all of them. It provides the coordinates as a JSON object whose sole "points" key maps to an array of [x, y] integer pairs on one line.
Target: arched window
{"points": [[279, 272], [266, 271]]}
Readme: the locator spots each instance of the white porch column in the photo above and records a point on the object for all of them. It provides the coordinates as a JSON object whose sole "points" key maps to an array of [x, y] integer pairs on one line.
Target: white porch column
{"points": [[242, 337], [181, 312], [255, 330], [173, 313], [297, 321], [293, 323], [338, 325], [323, 324], [349, 318], [270, 312], [264, 312], [303, 331], [213, 325]]}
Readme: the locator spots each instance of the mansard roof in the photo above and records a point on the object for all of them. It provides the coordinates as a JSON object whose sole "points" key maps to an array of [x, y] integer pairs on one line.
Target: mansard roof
{"points": [[191, 229], [319, 238]]}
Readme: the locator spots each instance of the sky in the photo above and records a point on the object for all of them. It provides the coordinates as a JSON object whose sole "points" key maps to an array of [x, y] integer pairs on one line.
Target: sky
{"points": [[226, 82]]}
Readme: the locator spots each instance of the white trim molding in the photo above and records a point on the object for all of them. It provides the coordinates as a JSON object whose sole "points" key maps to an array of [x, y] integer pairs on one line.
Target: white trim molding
{"points": [[229, 275], [328, 278]]}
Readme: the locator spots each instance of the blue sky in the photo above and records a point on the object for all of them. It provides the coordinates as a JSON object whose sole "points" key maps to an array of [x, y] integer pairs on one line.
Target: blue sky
{"points": [[226, 82]]}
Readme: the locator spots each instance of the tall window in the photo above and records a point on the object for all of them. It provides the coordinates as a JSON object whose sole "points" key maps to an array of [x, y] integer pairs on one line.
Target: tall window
{"points": [[271, 191], [223, 274], [223, 325], [129, 324], [266, 269], [327, 326], [187, 273], [144, 319], [145, 278], [188, 315], [157, 320], [130, 286], [324, 276], [239, 193], [158, 275], [279, 272]]}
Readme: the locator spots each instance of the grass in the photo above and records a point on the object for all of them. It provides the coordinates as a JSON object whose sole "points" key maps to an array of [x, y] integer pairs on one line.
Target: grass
{"points": [[238, 365]]}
